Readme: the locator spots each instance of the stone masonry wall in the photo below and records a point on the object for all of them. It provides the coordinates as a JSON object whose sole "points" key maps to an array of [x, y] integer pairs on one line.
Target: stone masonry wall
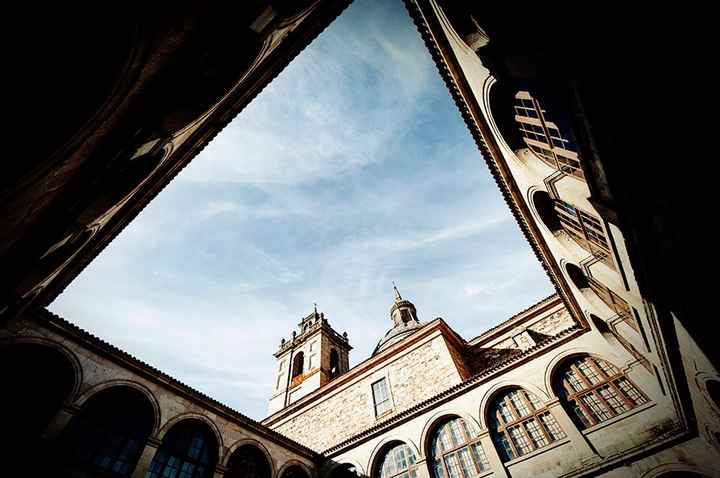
{"points": [[413, 377]]}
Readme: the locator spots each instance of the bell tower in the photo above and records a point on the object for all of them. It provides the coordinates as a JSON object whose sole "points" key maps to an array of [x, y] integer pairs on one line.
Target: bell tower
{"points": [[314, 355]]}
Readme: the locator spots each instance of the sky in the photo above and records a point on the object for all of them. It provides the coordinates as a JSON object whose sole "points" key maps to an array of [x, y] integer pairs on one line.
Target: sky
{"points": [[351, 170]]}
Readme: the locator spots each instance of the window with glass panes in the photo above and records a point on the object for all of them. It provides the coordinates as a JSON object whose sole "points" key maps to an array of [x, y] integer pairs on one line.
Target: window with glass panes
{"points": [[543, 137], [585, 229], [611, 299], [188, 450], [108, 436], [456, 451], [520, 423], [593, 390], [398, 461], [381, 397]]}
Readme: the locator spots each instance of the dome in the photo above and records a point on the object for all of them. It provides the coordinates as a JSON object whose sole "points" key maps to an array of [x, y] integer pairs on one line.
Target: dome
{"points": [[405, 322]]}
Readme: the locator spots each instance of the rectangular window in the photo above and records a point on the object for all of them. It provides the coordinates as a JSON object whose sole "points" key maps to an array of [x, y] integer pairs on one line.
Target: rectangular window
{"points": [[480, 457], [597, 407], [551, 426], [381, 397], [612, 397], [520, 440], [519, 404], [630, 391], [536, 435]]}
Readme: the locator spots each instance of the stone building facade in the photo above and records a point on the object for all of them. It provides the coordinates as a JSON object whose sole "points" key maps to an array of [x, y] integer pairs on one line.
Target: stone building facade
{"points": [[615, 376]]}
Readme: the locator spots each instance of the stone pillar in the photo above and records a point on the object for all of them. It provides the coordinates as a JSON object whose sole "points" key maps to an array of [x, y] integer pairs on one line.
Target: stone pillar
{"points": [[219, 471], [496, 464], [577, 439], [146, 457]]}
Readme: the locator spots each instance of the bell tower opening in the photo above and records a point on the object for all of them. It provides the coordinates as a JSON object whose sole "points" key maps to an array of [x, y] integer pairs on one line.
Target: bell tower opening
{"points": [[314, 355]]}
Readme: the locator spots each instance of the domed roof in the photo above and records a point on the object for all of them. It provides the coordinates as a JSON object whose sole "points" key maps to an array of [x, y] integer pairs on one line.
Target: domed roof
{"points": [[405, 322]]}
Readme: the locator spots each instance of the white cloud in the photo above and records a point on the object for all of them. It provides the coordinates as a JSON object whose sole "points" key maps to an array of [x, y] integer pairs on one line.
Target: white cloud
{"points": [[349, 171]]}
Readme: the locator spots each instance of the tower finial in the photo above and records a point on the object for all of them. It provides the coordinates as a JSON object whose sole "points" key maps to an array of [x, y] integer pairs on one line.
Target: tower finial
{"points": [[315, 306], [398, 297]]}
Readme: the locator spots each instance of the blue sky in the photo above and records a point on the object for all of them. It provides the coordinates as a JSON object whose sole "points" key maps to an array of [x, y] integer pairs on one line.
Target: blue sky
{"points": [[351, 170]]}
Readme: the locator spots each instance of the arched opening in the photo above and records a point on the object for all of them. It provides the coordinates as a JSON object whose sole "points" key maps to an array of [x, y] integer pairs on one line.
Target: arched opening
{"points": [[455, 446], [520, 423], [713, 390], [189, 450], [576, 275], [396, 460], [37, 380], [248, 461], [589, 285], [298, 364], [294, 471], [345, 470], [593, 390], [334, 364], [546, 210], [108, 436]]}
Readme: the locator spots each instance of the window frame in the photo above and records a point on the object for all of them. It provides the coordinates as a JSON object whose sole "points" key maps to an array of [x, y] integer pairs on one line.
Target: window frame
{"points": [[388, 400], [586, 229], [582, 413], [503, 431], [437, 456], [410, 471], [529, 111]]}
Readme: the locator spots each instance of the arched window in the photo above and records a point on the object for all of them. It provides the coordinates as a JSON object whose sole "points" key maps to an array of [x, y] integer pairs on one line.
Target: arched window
{"points": [[455, 451], [248, 462], [610, 298], [593, 390], [294, 471], [189, 450], [110, 432], [520, 423], [585, 229], [543, 137], [397, 461], [36, 381], [334, 363], [298, 363]]}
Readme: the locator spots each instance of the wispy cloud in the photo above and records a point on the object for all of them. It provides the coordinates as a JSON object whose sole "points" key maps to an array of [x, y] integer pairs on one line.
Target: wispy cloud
{"points": [[352, 169]]}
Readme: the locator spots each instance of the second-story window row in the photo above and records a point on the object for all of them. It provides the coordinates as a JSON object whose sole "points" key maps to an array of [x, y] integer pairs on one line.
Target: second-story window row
{"points": [[521, 424], [585, 229], [543, 137], [595, 391]]}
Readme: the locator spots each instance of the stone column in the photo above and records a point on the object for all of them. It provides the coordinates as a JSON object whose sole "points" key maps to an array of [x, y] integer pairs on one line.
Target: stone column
{"points": [[577, 439], [496, 464], [146, 457], [219, 471]]}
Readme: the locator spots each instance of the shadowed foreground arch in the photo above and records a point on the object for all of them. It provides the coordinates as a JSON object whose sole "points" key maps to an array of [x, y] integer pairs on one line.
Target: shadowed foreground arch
{"points": [[37, 380], [248, 461]]}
